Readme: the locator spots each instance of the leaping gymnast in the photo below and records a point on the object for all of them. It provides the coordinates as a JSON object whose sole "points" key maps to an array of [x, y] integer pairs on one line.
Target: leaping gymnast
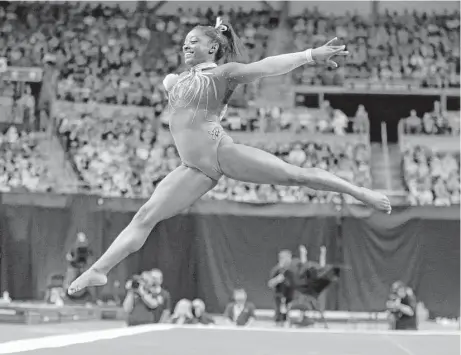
{"points": [[197, 102]]}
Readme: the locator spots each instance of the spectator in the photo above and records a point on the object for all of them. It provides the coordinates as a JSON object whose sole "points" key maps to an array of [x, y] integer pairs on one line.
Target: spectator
{"points": [[280, 286], [413, 123], [428, 124], [340, 122], [240, 312], [79, 257], [361, 122], [297, 155], [183, 313], [441, 194], [199, 313]]}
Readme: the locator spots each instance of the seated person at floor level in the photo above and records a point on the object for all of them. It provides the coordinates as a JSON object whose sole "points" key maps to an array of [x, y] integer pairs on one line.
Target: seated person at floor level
{"points": [[200, 314], [240, 312]]}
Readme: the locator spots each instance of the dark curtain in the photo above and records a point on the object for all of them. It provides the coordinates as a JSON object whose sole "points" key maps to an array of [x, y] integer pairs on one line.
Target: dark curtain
{"points": [[422, 253], [235, 251], [170, 247], [439, 286], [33, 240]]}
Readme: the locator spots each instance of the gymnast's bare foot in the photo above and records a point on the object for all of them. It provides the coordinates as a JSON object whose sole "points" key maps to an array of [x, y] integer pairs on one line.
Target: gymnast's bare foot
{"points": [[89, 278], [376, 200]]}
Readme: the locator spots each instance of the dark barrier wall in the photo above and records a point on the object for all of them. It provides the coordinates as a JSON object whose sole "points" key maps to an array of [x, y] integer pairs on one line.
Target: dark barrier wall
{"points": [[421, 252], [236, 251], [207, 255]]}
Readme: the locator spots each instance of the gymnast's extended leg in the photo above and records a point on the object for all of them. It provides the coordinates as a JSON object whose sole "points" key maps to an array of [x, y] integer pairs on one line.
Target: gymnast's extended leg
{"points": [[177, 191], [244, 163]]}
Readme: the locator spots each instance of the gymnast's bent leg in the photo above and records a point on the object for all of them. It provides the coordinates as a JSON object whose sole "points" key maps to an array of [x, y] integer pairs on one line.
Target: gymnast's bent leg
{"points": [[180, 189], [248, 164]]}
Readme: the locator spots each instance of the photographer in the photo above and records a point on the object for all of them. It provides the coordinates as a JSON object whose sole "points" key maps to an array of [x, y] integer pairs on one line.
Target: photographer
{"points": [[280, 286], [78, 258], [146, 301], [402, 307]]}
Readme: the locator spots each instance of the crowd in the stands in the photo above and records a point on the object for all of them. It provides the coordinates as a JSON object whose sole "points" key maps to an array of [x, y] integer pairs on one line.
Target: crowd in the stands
{"points": [[114, 55], [106, 54], [437, 122], [22, 164], [431, 177], [417, 47], [112, 154], [325, 119]]}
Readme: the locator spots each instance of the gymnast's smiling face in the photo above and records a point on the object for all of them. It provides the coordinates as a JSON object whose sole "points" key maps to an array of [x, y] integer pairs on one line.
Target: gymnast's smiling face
{"points": [[198, 48]]}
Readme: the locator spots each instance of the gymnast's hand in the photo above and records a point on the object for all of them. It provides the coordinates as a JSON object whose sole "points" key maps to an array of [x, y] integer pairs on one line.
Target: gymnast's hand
{"points": [[324, 53]]}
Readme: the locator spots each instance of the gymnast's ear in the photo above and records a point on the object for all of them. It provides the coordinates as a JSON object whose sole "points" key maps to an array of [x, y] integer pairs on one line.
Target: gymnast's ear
{"points": [[170, 81]]}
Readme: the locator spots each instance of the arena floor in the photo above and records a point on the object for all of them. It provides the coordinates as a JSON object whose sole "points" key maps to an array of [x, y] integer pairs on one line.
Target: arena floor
{"points": [[77, 339]]}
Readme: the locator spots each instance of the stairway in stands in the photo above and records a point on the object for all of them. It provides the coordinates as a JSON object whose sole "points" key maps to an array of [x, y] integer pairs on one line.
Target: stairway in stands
{"points": [[378, 167], [277, 90], [382, 172], [395, 166], [64, 178]]}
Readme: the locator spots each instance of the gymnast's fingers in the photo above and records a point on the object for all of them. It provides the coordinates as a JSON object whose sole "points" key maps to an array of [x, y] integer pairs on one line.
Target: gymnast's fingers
{"points": [[332, 64], [331, 41]]}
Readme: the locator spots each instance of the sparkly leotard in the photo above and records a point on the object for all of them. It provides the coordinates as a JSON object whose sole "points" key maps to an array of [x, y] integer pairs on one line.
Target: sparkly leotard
{"points": [[197, 103]]}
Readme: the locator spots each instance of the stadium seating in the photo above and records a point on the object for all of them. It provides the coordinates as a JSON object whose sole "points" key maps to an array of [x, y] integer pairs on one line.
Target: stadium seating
{"points": [[110, 147], [106, 55], [413, 47], [431, 177], [21, 164]]}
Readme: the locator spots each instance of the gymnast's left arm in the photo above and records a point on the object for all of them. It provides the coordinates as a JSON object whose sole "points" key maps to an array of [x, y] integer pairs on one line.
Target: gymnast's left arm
{"points": [[282, 64]]}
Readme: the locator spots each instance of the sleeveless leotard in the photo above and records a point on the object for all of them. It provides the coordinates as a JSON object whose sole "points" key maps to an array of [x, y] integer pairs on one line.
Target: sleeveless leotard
{"points": [[197, 103]]}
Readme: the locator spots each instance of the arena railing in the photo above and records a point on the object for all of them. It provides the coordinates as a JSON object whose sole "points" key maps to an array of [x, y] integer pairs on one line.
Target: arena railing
{"points": [[440, 143]]}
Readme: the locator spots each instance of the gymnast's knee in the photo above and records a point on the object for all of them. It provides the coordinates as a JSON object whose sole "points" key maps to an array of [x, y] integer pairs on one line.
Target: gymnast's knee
{"points": [[301, 176], [147, 216]]}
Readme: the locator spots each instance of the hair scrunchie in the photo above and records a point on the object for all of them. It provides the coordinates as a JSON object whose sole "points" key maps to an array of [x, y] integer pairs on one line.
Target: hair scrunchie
{"points": [[220, 26]]}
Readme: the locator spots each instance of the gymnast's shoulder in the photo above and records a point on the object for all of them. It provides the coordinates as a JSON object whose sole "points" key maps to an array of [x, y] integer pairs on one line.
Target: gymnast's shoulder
{"points": [[170, 81]]}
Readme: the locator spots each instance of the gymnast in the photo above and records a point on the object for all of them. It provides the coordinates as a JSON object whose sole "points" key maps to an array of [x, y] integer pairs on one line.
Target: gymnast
{"points": [[197, 102]]}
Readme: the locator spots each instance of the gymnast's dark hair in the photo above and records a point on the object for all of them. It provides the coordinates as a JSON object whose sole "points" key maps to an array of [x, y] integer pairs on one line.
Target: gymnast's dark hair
{"points": [[231, 47]]}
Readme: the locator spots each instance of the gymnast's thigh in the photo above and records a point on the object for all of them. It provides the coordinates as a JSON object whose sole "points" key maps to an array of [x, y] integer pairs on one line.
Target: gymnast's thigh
{"points": [[249, 164], [176, 192]]}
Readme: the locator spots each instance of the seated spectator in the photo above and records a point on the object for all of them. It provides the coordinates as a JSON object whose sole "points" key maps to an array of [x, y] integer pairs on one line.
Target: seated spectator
{"points": [[297, 155], [199, 313], [240, 312], [413, 123], [339, 123], [361, 122], [183, 313], [441, 194], [428, 124]]}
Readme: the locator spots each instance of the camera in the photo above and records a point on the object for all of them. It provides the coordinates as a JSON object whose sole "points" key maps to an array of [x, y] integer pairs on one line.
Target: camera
{"points": [[134, 283]]}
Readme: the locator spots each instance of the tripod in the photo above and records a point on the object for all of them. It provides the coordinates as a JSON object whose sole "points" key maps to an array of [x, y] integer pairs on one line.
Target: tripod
{"points": [[307, 303], [306, 296]]}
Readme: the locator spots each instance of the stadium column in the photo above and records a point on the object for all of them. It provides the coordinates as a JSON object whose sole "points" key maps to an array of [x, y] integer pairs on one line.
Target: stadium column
{"points": [[374, 13]]}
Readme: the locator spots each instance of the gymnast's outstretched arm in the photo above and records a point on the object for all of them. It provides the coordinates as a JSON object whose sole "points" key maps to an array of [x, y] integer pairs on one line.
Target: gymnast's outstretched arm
{"points": [[281, 64]]}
